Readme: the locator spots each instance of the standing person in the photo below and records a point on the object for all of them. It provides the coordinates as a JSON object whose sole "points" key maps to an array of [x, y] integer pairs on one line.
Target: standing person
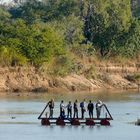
{"points": [[69, 109], [90, 109], [62, 109], [83, 109], [51, 107], [99, 105], [75, 107]]}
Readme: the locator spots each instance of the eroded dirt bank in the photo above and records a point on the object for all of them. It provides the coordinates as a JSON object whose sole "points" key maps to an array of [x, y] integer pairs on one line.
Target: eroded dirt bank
{"points": [[21, 79]]}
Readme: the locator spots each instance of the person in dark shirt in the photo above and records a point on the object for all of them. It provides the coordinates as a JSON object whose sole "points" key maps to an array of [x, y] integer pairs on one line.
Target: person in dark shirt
{"points": [[69, 110], [90, 109], [75, 107], [51, 107], [83, 109]]}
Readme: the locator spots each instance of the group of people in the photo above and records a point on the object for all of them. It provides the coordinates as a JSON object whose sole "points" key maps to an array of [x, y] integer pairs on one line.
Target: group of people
{"points": [[75, 109]]}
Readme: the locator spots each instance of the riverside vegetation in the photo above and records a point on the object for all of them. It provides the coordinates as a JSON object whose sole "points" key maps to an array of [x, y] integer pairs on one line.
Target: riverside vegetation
{"points": [[69, 45]]}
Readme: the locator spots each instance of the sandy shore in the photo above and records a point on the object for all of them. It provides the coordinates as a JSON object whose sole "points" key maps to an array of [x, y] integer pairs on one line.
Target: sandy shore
{"points": [[27, 79]]}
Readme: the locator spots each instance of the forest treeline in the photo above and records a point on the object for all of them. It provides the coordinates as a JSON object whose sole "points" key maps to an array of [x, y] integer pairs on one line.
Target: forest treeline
{"points": [[58, 33]]}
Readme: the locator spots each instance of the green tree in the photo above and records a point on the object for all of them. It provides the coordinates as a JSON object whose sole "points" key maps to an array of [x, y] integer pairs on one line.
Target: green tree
{"points": [[104, 22], [30, 11], [35, 10], [129, 42], [37, 43], [4, 15]]}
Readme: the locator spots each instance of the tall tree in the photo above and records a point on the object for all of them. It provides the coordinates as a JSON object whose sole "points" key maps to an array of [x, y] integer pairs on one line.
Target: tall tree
{"points": [[105, 20]]}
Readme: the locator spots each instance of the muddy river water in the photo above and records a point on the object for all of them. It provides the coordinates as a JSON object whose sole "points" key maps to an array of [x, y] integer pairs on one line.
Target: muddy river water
{"points": [[18, 118]]}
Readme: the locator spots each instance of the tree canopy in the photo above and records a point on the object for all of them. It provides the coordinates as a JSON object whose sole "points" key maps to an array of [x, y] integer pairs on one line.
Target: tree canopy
{"points": [[35, 32]]}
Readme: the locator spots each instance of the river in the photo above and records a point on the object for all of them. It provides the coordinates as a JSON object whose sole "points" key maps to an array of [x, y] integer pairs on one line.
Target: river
{"points": [[18, 118]]}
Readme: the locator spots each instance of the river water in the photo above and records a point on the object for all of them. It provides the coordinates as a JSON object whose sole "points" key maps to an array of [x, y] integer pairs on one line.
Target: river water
{"points": [[18, 118]]}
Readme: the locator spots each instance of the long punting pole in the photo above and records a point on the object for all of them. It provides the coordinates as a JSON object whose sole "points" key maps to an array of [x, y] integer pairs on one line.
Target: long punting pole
{"points": [[108, 111], [43, 111]]}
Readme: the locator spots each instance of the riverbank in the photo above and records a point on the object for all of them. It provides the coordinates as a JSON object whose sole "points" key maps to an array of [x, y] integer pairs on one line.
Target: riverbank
{"points": [[102, 77]]}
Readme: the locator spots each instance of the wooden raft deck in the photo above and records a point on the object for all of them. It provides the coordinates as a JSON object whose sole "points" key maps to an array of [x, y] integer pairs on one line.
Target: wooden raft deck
{"points": [[75, 121]]}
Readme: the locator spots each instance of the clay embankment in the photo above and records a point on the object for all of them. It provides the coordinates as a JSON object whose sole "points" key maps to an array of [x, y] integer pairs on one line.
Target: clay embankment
{"points": [[107, 77]]}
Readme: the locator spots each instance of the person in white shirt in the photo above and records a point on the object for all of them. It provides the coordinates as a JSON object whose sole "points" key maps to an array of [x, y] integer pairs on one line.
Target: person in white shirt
{"points": [[99, 105], [62, 109]]}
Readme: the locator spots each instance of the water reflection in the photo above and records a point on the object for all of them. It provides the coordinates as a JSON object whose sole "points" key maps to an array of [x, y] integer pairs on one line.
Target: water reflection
{"points": [[106, 96]]}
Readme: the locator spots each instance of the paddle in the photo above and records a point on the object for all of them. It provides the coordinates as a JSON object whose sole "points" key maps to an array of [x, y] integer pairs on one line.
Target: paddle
{"points": [[108, 111]]}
